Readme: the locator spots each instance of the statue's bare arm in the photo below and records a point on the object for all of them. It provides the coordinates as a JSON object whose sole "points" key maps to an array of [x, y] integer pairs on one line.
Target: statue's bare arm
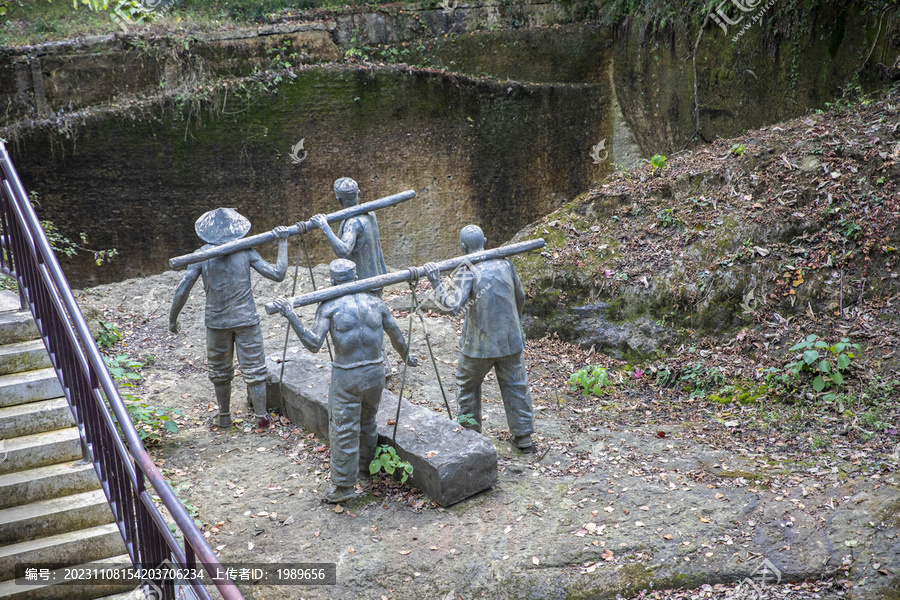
{"points": [[396, 335], [279, 270], [181, 294], [312, 339], [342, 246]]}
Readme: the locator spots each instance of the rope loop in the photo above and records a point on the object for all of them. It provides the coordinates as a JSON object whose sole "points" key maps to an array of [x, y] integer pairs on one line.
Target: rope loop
{"points": [[413, 276]]}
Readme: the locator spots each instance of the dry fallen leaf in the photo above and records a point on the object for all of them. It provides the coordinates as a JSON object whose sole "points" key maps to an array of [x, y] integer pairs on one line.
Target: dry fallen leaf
{"points": [[404, 552], [667, 536], [535, 560]]}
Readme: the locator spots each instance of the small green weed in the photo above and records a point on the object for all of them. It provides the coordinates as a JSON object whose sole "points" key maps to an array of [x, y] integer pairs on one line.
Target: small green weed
{"points": [[667, 218], [658, 162], [466, 420], [590, 381], [123, 367], [151, 421], [821, 365], [109, 335], [386, 460], [738, 150]]}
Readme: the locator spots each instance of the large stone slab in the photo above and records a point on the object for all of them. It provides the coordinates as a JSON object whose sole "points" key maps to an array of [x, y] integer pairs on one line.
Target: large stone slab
{"points": [[449, 463]]}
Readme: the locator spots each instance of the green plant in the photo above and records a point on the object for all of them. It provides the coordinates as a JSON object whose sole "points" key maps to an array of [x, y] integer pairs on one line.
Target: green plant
{"points": [[590, 380], [63, 245], [738, 150], [667, 218], [109, 335], [151, 421], [386, 460], [658, 162], [123, 367], [466, 420], [698, 379], [850, 229], [821, 365]]}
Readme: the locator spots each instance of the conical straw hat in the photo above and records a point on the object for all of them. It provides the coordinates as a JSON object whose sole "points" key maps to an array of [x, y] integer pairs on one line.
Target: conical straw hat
{"points": [[221, 225]]}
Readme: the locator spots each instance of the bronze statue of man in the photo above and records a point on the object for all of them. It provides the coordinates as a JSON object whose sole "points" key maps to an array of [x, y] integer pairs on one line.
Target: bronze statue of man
{"points": [[357, 239], [357, 323], [492, 335], [232, 322]]}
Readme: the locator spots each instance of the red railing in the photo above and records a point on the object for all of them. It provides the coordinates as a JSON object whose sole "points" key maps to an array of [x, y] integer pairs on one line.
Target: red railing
{"points": [[124, 467]]}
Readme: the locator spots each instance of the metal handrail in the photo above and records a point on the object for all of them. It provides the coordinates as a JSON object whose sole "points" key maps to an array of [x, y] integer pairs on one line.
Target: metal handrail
{"points": [[124, 468]]}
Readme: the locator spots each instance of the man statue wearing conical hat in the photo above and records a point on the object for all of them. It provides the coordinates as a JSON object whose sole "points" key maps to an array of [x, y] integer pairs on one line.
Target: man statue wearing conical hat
{"points": [[232, 322], [357, 239], [357, 323]]}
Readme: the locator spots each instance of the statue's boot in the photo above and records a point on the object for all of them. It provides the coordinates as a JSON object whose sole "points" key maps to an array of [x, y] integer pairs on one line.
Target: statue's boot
{"points": [[257, 393], [340, 494], [223, 398]]}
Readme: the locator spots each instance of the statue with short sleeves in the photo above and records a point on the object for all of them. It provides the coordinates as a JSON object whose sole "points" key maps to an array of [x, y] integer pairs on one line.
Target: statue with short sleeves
{"points": [[492, 336], [357, 239], [232, 322]]}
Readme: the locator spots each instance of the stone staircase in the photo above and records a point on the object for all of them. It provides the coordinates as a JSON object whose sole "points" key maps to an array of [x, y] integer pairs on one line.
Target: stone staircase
{"points": [[52, 508]]}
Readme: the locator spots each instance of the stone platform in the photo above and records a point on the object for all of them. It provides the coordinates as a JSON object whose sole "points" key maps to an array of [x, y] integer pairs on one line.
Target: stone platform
{"points": [[449, 463]]}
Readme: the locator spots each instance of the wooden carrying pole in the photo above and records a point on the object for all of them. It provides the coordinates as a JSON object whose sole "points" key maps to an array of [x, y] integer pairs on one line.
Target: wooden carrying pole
{"points": [[380, 281], [262, 238]]}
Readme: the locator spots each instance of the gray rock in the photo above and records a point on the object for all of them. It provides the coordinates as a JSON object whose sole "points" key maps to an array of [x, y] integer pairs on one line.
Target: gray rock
{"points": [[449, 463]]}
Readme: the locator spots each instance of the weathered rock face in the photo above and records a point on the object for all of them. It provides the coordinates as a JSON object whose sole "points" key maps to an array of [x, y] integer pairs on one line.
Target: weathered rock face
{"points": [[497, 152], [500, 155]]}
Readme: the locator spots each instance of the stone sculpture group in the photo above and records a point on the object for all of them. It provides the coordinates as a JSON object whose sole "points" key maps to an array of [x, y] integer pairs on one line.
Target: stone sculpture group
{"points": [[489, 291]]}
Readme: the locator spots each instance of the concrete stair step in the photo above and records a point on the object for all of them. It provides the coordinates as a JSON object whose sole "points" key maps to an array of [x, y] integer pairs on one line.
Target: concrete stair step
{"points": [[9, 590], [72, 547], [17, 326], [23, 356], [20, 388], [42, 483], [35, 417], [39, 449], [53, 516]]}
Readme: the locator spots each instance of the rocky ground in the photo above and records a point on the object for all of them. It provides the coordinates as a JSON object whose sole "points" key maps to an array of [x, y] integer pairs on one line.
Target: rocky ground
{"points": [[641, 493]]}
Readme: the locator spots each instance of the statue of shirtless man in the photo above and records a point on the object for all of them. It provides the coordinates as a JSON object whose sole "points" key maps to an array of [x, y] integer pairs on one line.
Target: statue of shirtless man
{"points": [[357, 323]]}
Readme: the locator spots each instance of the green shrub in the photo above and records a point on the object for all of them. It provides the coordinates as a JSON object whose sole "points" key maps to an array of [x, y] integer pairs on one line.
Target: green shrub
{"points": [[386, 460], [590, 380], [822, 366]]}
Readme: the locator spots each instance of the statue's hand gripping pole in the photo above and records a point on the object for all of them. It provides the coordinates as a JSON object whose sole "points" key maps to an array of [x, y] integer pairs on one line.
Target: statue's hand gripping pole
{"points": [[380, 281], [262, 238]]}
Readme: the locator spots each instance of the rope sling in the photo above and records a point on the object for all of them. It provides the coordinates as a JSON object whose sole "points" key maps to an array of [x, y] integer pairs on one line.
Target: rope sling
{"points": [[414, 309]]}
